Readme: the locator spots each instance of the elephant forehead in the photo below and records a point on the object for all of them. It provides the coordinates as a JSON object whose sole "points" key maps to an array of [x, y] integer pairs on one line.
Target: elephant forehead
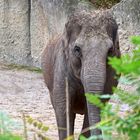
{"points": [[94, 31], [92, 23], [89, 36], [92, 19]]}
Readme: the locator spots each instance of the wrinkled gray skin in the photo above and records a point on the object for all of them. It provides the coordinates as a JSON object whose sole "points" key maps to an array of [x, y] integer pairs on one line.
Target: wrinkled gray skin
{"points": [[81, 55]]}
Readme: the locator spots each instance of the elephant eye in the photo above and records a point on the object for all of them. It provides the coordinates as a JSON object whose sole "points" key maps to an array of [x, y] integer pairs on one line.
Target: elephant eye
{"points": [[77, 51]]}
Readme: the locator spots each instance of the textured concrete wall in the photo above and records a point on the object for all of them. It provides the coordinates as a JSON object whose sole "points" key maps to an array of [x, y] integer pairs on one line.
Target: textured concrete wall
{"points": [[27, 25], [127, 14], [39, 31], [14, 31]]}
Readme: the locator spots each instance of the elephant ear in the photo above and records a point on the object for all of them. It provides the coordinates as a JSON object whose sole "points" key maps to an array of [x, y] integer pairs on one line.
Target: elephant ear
{"points": [[71, 32], [112, 30], [66, 34]]}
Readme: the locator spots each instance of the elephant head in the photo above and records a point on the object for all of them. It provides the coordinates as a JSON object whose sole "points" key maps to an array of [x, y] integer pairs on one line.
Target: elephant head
{"points": [[89, 39]]}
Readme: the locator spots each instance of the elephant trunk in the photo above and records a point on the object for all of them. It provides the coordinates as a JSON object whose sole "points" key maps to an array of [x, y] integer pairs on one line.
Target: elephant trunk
{"points": [[94, 77]]}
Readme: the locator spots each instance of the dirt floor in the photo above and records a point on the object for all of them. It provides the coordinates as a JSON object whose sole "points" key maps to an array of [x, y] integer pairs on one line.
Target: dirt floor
{"points": [[25, 91]]}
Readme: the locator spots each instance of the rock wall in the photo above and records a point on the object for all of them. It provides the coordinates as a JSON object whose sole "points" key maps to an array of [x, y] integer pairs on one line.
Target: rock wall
{"points": [[127, 14], [27, 25], [14, 31]]}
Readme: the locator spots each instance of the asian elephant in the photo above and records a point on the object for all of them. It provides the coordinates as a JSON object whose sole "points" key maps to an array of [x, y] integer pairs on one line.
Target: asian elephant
{"points": [[80, 54]]}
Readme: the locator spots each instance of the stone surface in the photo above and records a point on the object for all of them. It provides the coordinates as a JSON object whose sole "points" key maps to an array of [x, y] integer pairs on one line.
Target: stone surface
{"points": [[127, 14], [39, 31], [27, 25], [15, 35]]}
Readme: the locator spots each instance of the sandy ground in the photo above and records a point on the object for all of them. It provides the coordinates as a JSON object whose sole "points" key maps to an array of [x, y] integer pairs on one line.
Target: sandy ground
{"points": [[25, 91]]}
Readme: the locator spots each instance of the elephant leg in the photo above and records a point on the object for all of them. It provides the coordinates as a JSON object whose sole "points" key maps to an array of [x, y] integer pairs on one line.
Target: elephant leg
{"points": [[62, 126], [61, 122], [85, 127], [72, 121]]}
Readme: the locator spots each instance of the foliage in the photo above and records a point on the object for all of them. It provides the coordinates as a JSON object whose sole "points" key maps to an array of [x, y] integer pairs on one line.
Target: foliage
{"points": [[6, 126], [115, 125], [104, 3], [94, 100], [23, 67], [9, 137], [129, 64], [39, 127]]}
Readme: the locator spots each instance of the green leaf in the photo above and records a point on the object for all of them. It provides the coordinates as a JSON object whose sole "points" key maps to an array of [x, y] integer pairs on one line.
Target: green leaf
{"points": [[135, 40], [35, 123], [94, 99], [95, 137], [39, 125], [82, 137], [45, 128], [9, 137], [30, 120]]}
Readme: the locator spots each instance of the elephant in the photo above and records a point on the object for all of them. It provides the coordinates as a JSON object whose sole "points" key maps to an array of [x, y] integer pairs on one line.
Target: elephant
{"points": [[81, 53]]}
